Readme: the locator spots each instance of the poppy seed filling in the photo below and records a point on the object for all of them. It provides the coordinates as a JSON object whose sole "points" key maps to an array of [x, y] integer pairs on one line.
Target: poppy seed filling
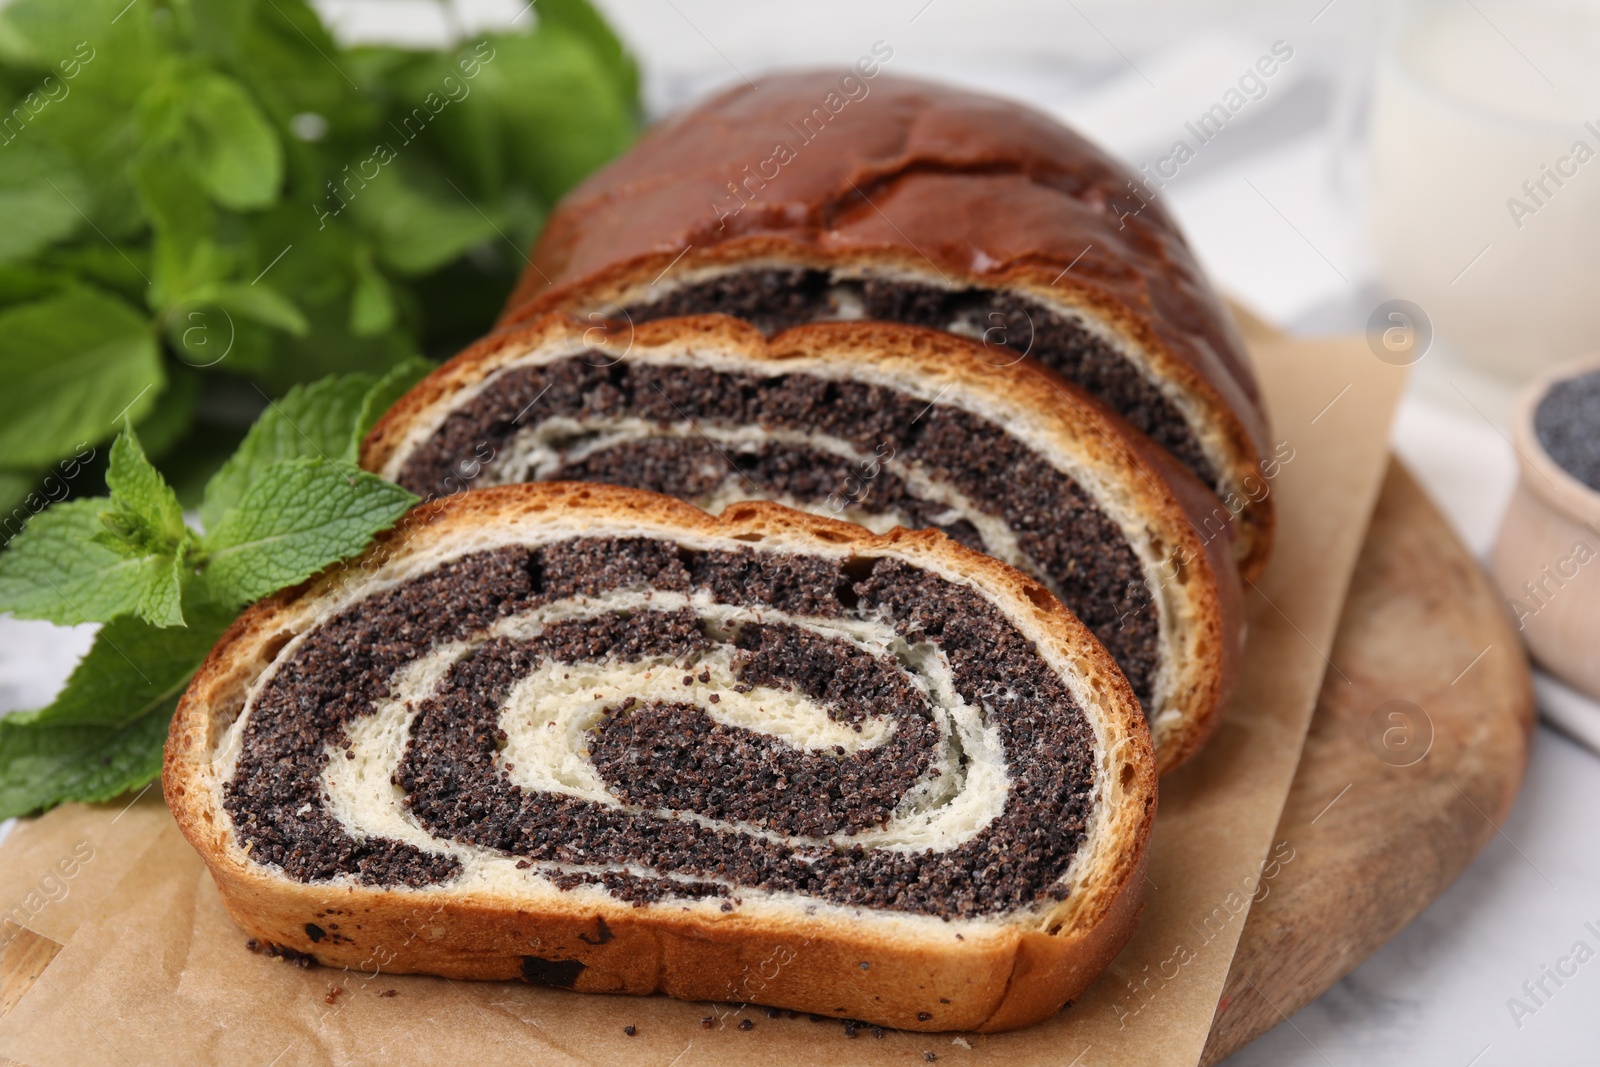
{"points": [[1011, 326], [701, 807], [677, 429]]}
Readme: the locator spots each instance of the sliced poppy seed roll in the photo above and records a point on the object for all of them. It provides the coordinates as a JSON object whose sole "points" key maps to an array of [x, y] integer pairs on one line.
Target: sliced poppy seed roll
{"points": [[596, 738], [879, 424], [896, 199]]}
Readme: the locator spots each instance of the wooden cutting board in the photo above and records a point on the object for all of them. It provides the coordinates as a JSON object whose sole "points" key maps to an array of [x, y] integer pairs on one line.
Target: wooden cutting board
{"points": [[1414, 756]]}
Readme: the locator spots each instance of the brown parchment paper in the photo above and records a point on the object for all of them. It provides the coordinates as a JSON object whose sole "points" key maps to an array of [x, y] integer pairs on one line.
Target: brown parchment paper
{"points": [[153, 971]]}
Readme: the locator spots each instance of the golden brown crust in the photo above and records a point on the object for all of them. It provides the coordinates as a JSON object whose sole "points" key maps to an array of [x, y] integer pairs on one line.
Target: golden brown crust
{"points": [[1186, 516], [998, 976], [948, 186]]}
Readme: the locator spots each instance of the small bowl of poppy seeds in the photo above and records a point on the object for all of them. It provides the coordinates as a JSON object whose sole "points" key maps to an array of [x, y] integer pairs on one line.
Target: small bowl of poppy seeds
{"points": [[1546, 557]]}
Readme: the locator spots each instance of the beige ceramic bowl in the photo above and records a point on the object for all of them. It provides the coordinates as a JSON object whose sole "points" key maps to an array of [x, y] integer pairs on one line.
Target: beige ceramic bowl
{"points": [[1547, 556]]}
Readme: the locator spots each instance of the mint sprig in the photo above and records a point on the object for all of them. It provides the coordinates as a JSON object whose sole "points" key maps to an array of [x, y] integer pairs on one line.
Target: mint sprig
{"points": [[298, 517], [288, 503], [194, 193]]}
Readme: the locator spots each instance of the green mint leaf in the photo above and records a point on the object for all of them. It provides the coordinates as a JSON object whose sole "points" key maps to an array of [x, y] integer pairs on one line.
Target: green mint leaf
{"points": [[38, 187], [559, 106], [144, 509], [293, 65], [69, 367], [187, 257], [57, 570], [106, 64], [28, 492], [104, 732], [130, 558], [372, 309], [207, 324], [314, 262], [218, 25], [121, 270], [417, 228], [295, 519], [44, 31], [20, 284], [258, 302], [132, 670], [381, 397], [41, 766], [145, 523], [15, 488], [310, 421], [580, 17], [161, 600], [234, 149]]}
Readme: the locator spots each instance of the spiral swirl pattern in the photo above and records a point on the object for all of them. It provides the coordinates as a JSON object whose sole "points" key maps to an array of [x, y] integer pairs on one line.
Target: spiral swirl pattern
{"points": [[665, 722]]}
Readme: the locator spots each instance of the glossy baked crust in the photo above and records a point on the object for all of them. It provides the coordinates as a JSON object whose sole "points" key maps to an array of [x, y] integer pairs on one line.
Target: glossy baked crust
{"points": [[999, 975], [926, 183]]}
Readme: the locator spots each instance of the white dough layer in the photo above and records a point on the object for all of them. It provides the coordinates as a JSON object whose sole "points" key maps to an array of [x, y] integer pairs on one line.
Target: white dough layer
{"points": [[549, 712]]}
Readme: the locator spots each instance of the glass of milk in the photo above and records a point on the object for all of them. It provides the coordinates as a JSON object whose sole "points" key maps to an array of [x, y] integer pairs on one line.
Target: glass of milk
{"points": [[1484, 175]]}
